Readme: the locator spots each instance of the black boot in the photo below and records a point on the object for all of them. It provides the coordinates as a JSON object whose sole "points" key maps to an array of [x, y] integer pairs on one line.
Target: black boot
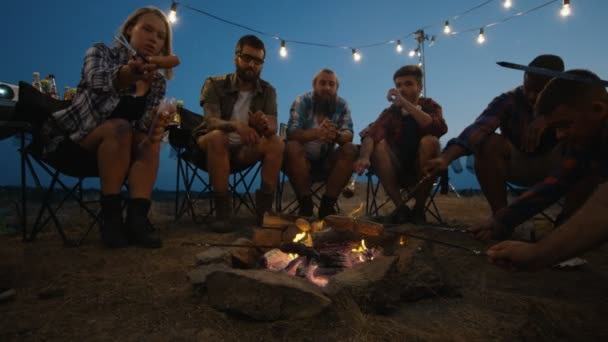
{"points": [[327, 207], [139, 229], [306, 206], [223, 213], [263, 204], [112, 235]]}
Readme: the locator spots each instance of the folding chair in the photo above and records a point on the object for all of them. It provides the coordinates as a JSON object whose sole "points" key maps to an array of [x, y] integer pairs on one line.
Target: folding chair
{"points": [[191, 164], [372, 207], [35, 108], [318, 182]]}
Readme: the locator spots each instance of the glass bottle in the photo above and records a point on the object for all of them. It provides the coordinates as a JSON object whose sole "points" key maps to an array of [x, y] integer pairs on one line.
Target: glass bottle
{"points": [[36, 81]]}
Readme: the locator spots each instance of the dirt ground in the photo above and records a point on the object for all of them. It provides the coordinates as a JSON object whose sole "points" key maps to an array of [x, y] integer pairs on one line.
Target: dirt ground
{"points": [[132, 294]]}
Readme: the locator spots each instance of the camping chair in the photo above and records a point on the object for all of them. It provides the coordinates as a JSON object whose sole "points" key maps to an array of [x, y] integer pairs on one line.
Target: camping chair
{"points": [[318, 182], [191, 166], [35, 108], [372, 207]]}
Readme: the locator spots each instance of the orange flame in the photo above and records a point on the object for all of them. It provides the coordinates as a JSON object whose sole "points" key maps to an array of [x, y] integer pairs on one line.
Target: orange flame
{"points": [[401, 240]]}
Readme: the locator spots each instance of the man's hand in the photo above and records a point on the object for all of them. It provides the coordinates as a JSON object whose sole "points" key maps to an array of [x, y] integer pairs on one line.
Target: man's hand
{"points": [[435, 166], [490, 229], [248, 135], [533, 134], [329, 131], [361, 165], [397, 99], [259, 122], [515, 255]]}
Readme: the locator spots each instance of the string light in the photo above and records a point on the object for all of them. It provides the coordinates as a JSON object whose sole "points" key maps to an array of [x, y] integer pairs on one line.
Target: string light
{"points": [[399, 48], [481, 38], [356, 55], [283, 49], [173, 13], [565, 11], [446, 27]]}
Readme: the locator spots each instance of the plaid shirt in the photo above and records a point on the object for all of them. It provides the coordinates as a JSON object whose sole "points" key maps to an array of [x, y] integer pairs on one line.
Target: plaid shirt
{"points": [[576, 163], [97, 97], [219, 94], [389, 124], [301, 114], [512, 112]]}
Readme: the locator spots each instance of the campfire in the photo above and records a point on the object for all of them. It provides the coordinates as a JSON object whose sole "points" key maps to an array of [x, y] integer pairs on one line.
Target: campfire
{"points": [[324, 260]]}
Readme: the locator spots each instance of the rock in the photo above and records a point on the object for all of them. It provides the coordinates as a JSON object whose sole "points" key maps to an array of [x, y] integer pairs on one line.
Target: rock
{"points": [[198, 276], [213, 255], [371, 284], [420, 274], [265, 295], [244, 257]]}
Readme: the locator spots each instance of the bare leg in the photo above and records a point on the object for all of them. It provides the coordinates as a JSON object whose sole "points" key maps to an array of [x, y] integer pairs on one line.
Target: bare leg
{"points": [[270, 151], [491, 165], [144, 167], [298, 168], [386, 170], [111, 141], [341, 170], [429, 148], [215, 146]]}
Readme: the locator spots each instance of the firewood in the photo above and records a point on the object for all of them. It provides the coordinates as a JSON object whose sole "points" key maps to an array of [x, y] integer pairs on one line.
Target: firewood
{"points": [[276, 221], [345, 223]]}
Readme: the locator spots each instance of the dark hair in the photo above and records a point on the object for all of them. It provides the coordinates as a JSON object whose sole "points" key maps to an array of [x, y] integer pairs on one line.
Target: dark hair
{"points": [[551, 62], [252, 41], [570, 92], [409, 70]]}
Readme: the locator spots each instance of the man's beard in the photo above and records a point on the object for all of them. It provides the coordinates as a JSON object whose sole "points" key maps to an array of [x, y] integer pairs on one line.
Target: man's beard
{"points": [[247, 74], [324, 104]]}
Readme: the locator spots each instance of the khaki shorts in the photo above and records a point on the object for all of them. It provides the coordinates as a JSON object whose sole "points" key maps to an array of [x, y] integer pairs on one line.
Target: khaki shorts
{"points": [[527, 170]]}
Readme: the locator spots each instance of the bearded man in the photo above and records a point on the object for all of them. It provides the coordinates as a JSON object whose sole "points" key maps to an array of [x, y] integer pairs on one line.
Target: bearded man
{"points": [[239, 128], [319, 143]]}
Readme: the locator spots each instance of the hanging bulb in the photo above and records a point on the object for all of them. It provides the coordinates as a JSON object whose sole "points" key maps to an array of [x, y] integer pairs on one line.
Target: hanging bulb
{"points": [[446, 28], [173, 13], [399, 47], [283, 49], [432, 41], [418, 52], [412, 53], [507, 4], [481, 38], [565, 11], [356, 55], [420, 64]]}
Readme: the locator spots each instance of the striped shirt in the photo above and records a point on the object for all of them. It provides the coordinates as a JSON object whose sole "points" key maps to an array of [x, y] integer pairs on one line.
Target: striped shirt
{"points": [[97, 97]]}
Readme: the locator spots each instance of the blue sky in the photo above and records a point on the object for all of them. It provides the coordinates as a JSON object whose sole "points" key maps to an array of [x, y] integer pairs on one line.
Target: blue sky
{"points": [[52, 36]]}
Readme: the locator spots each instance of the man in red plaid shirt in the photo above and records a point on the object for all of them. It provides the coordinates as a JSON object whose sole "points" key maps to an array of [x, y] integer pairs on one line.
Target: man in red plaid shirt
{"points": [[401, 140]]}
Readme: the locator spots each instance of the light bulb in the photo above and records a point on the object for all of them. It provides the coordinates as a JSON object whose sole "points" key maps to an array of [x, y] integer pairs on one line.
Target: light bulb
{"points": [[412, 53], [507, 4], [356, 55], [446, 28], [399, 48], [283, 49], [565, 11], [173, 13], [481, 38]]}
